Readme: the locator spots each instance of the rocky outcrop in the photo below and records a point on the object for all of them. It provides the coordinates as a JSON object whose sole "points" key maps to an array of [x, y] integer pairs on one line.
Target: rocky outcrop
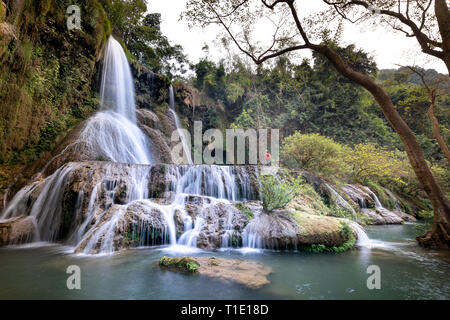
{"points": [[381, 216], [151, 89], [249, 273], [361, 199], [291, 229], [151, 125], [17, 230]]}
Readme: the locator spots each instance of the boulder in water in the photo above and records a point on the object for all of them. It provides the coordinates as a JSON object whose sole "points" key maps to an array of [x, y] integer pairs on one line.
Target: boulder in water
{"points": [[17, 230], [249, 273]]}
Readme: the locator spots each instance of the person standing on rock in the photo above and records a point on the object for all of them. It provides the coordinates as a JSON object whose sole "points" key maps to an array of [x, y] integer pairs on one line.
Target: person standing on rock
{"points": [[268, 158]]}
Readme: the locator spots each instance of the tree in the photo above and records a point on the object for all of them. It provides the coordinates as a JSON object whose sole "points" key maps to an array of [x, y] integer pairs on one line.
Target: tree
{"points": [[315, 153], [239, 18], [371, 164], [142, 36], [432, 96], [411, 17]]}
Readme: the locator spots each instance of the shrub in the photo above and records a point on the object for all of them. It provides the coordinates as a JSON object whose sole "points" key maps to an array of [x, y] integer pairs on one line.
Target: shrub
{"points": [[315, 153], [277, 192], [370, 163]]}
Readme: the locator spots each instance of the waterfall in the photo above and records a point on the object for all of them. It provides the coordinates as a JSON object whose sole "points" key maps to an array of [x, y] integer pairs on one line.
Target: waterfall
{"points": [[117, 89], [363, 238], [214, 183], [89, 205], [115, 125], [341, 202], [47, 207], [184, 142], [375, 198]]}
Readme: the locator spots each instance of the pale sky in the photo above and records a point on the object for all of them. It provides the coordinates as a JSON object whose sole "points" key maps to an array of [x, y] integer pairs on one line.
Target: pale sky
{"points": [[400, 49]]}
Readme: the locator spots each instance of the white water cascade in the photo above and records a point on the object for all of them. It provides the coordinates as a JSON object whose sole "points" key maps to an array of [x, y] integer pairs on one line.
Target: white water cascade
{"points": [[341, 202], [363, 238], [110, 128], [187, 158], [214, 183], [378, 204], [116, 125]]}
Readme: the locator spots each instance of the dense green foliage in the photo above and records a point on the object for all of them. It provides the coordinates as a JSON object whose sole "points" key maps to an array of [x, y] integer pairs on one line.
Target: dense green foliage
{"points": [[329, 125], [142, 36], [277, 192], [315, 153], [46, 74]]}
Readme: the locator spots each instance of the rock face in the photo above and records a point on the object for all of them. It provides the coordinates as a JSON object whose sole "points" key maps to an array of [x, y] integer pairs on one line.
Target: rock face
{"points": [[381, 216], [17, 230], [153, 128], [249, 273], [361, 199], [290, 229]]}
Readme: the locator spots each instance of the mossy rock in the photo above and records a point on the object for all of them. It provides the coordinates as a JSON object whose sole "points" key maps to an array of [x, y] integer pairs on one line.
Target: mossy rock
{"points": [[184, 264], [323, 234]]}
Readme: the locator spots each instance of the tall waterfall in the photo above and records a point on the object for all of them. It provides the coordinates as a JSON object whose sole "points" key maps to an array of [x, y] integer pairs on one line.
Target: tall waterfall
{"points": [[186, 149], [112, 133]]}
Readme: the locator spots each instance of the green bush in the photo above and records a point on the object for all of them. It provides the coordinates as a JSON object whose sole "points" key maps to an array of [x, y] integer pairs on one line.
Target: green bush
{"points": [[315, 153], [277, 192]]}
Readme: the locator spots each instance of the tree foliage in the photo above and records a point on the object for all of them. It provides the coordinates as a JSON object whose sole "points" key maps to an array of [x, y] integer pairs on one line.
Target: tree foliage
{"points": [[317, 154], [141, 34]]}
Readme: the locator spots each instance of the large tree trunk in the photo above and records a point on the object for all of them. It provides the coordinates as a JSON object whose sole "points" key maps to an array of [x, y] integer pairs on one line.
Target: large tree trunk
{"points": [[443, 18], [439, 235]]}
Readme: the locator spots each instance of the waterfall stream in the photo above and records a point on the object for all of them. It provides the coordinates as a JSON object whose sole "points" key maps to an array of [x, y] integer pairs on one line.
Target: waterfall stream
{"points": [[187, 158], [374, 197], [116, 125]]}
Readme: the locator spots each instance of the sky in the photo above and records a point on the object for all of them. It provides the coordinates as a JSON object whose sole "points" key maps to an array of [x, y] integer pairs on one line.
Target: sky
{"points": [[387, 48]]}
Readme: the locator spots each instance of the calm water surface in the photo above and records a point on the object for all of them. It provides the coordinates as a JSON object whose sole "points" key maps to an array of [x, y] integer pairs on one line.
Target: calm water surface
{"points": [[407, 272]]}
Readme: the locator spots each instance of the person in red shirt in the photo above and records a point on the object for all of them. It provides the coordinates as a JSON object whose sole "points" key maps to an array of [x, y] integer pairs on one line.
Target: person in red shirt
{"points": [[268, 158]]}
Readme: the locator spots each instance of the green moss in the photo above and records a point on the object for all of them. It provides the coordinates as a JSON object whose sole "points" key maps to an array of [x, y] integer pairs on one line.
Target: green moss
{"points": [[245, 210], [46, 75], [345, 230], [185, 264], [234, 241], [214, 261]]}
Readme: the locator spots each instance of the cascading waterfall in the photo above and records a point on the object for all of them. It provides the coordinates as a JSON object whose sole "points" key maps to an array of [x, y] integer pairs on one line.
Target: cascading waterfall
{"points": [[363, 238], [341, 202], [186, 149], [375, 198], [217, 183], [99, 210], [115, 125]]}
